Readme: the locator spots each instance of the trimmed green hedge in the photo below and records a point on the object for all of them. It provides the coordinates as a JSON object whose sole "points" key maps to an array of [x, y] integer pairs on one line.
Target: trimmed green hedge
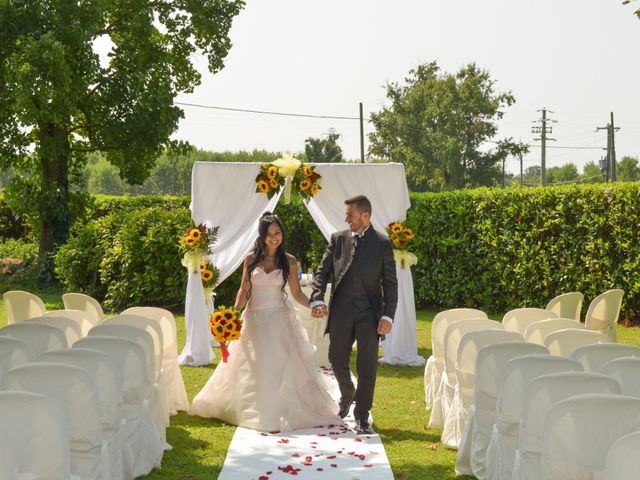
{"points": [[127, 252], [494, 249], [500, 249]]}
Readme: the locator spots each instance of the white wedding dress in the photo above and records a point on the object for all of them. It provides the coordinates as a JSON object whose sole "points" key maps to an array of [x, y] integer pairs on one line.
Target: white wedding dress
{"points": [[269, 382]]}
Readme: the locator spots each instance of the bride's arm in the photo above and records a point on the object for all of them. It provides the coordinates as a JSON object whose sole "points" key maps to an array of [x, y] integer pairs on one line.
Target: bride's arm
{"points": [[245, 285], [294, 284]]}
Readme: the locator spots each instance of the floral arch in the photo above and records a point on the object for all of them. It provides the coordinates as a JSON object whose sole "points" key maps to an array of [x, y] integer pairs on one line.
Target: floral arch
{"points": [[224, 194]]}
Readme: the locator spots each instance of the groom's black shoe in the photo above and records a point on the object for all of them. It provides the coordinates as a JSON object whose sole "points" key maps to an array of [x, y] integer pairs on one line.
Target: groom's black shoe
{"points": [[345, 403], [363, 427]]}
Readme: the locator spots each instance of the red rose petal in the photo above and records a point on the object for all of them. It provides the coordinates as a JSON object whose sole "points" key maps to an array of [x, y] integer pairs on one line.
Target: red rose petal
{"points": [[334, 465], [308, 458], [368, 465], [296, 455], [320, 469], [358, 439], [331, 456]]}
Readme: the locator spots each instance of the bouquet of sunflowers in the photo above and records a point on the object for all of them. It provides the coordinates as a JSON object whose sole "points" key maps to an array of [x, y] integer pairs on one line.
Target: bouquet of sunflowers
{"points": [[306, 181], [209, 274], [225, 325], [269, 181], [195, 244], [401, 237]]}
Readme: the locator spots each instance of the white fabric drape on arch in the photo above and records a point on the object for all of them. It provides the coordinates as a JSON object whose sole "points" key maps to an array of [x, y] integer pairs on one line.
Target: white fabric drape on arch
{"points": [[222, 194], [386, 187]]}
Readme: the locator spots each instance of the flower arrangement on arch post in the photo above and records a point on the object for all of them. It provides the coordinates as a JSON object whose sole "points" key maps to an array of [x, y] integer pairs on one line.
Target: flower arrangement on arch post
{"points": [[209, 274], [401, 237], [195, 244], [226, 325]]}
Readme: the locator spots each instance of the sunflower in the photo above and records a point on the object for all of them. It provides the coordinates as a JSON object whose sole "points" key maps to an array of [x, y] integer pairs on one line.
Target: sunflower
{"points": [[203, 266], [230, 327], [305, 184], [272, 172], [206, 275], [263, 186], [307, 170], [314, 190], [233, 335], [216, 317], [395, 227], [273, 183], [195, 234], [409, 233]]}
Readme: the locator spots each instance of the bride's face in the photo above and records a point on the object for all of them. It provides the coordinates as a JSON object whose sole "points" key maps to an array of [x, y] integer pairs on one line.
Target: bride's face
{"points": [[273, 238]]}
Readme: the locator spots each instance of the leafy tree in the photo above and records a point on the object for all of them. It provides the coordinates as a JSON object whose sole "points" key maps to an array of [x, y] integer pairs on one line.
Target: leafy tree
{"points": [[531, 175], [60, 100], [564, 174], [438, 125], [627, 169], [323, 150], [591, 173]]}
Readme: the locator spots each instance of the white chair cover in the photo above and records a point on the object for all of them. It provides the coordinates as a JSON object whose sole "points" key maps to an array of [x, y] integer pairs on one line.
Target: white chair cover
{"points": [[83, 318], [463, 397], [626, 371], [8, 469], [22, 305], [621, 462], [71, 328], [593, 357], [145, 441], [475, 438], [435, 363], [35, 429], [513, 378], [603, 313], [108, 380], [565, 342], [77, 393], [579, 431], [452, 336], [80, 301], [153, 328], [567, 305], [177, 393], [40, 337], [536, 332], [539, 395], [13, 353], [145, 339], [518, 319]]}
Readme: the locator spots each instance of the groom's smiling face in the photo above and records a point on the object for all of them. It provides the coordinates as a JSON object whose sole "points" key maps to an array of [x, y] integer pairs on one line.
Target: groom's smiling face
{"points": [[357, 220]]}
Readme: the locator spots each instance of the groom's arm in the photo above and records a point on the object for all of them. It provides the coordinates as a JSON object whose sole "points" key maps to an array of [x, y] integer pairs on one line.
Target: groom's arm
{"points": [[323, 273], [389, 282]]}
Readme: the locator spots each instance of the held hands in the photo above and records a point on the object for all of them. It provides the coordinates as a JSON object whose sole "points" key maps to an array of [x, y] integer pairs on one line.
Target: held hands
{"points": [[384, 327], [319, 311]]}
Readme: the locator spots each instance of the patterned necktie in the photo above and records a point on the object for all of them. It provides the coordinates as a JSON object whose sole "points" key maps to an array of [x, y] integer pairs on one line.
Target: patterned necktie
{"points": [[357, 240]]}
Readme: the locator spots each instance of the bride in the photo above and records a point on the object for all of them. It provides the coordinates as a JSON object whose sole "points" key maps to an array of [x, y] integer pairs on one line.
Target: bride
{"points": [[269, 382]]}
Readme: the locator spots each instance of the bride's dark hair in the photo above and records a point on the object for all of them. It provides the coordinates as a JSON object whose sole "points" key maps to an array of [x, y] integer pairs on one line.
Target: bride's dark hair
{"points": [[259, 248]]}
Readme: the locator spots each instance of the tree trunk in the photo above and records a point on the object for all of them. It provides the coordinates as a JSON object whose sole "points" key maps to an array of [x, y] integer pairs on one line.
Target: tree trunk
{"points": [[54, 212]]}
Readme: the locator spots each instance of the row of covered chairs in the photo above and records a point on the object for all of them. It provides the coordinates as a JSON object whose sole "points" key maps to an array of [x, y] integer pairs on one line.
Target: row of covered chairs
{"points": [[21, 305], [138, 344], [602, 316], [513, 432]]}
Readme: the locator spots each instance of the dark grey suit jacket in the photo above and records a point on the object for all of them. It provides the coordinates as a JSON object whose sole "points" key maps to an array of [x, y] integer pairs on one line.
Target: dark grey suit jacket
{"points": [[378, 270]]}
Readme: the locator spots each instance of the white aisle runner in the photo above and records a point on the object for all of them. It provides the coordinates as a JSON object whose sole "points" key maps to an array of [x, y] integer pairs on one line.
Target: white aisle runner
{"points": [[327, 453]]}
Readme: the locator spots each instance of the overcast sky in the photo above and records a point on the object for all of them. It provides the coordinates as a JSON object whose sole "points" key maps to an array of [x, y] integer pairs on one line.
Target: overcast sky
{"points": [[578, 58]]}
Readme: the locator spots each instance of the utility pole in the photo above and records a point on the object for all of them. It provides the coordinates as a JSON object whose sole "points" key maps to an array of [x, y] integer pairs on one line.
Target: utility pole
{"points": [[543, 129], [361, 135], [521, 175], [610, 172]]}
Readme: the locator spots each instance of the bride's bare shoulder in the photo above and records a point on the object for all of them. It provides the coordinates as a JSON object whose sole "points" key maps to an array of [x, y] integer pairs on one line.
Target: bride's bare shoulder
{"points": [[291, 259]]}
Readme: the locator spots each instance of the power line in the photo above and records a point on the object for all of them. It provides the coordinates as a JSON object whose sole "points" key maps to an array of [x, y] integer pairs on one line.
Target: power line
{"points": [[265, 112]]}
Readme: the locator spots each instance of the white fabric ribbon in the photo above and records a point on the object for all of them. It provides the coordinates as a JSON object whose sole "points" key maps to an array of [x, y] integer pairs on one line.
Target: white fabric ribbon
{"points": [[287, 167], [192, 260], [404, 258]]}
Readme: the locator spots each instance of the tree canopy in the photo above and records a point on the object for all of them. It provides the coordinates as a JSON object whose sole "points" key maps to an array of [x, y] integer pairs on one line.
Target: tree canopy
{"points": [[60, 99], [441, 126], [323, 150]]}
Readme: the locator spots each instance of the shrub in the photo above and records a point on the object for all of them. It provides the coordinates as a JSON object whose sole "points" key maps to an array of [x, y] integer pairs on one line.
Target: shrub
{"points": [[127, 258], [499, 249]]}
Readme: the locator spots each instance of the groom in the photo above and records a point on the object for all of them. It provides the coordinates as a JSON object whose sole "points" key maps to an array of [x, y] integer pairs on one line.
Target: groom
{"points": [[359, 261]]}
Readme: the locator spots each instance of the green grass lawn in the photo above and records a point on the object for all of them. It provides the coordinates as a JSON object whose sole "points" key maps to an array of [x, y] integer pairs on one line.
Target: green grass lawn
{"points": [[415, 452]]}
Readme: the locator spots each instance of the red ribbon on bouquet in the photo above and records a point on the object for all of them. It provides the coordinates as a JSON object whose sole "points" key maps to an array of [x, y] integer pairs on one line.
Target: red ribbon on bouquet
{"points": [[225, 351]]}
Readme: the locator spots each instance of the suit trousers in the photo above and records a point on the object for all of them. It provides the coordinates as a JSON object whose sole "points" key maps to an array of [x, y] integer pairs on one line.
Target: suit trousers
{"points": [[348, 325]]}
